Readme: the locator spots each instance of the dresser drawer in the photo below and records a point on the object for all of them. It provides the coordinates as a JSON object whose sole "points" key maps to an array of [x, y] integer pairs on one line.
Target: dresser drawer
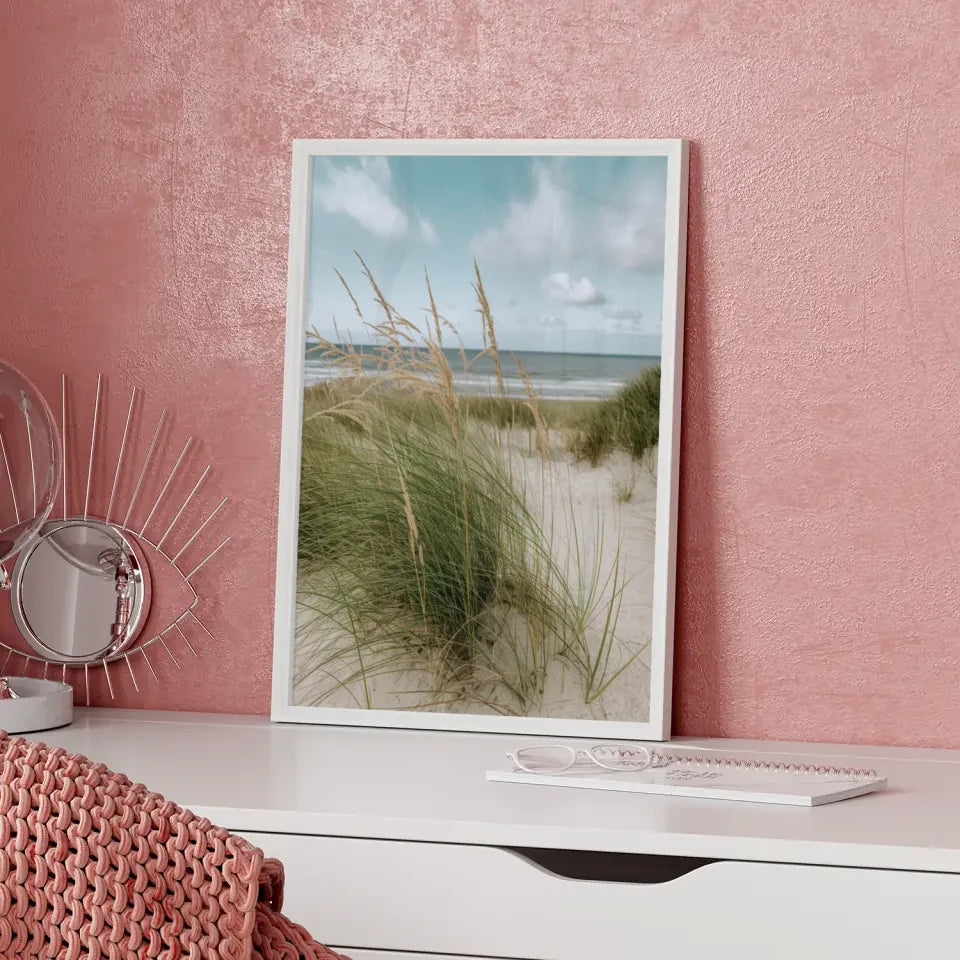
{"points": [[393, 955], [473, 900]]}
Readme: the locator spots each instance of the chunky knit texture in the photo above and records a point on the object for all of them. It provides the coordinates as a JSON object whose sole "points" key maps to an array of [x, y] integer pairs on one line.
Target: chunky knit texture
{"points": [[95, 866]]}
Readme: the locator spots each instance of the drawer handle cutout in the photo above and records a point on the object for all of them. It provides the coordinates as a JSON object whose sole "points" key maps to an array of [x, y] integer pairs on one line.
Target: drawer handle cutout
{"points": [[611, 867]]}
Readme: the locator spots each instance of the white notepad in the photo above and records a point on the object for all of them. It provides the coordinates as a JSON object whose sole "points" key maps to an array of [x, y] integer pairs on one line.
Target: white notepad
{"points": [[713, 778]]}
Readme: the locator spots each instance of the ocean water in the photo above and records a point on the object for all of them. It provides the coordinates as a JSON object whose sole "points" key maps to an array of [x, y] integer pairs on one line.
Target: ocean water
{"points": [[555, 376]]}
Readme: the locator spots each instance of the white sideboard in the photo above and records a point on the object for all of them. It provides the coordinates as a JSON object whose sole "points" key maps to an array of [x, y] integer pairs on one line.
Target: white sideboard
{"points": [[396, 847]]}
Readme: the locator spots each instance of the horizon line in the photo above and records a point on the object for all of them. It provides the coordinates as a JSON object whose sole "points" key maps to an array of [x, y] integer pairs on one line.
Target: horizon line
{"points": [[502, 352]]}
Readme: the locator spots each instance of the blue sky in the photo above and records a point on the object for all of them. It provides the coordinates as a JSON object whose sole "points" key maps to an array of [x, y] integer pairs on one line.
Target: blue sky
{"points": [[570, 248]]}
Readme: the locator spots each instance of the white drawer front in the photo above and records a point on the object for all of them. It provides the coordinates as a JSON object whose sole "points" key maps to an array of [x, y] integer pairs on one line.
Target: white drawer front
{"points": [[393, 955], [450, 899]]}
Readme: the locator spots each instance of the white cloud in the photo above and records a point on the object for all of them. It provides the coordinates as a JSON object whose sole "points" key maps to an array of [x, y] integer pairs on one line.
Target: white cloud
{"points": [[626, 319], [543, 229], [535, 231], [562, 288], [636, 245], [549, 320], [633, 235], [427, 231], [362, 191], [616, 312]]}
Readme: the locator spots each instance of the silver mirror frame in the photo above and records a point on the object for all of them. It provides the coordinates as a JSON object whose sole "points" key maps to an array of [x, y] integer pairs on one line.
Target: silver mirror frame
{"points": [[138, 584], [168, 537]]}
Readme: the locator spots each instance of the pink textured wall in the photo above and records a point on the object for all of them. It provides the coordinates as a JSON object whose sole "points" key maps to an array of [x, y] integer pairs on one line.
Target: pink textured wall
{"points": [[143, 187]]}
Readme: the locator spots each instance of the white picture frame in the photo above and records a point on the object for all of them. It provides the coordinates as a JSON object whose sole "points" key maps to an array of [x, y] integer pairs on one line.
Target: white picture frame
{"points": [[657, 725]]}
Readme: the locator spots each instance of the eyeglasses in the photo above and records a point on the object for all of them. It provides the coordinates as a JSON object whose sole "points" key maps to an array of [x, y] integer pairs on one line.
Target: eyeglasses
{"points": [[557, 757]]}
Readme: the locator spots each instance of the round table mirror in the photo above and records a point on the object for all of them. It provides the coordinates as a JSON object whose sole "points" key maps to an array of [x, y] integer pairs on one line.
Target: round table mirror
{"points": [[80, 591]]}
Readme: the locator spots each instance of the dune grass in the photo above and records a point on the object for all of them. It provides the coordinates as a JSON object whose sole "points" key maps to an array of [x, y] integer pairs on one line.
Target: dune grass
{"points": [[503, 413], [624, 486], [423, 568], [629, 420], [409, 541]]}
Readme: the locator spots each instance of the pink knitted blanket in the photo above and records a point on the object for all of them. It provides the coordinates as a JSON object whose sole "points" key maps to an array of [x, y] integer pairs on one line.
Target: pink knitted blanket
{"points": [[95, 866]]}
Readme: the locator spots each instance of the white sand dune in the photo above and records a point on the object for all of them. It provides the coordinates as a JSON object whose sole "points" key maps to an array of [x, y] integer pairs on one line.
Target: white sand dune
{"points": [[604, 516]]}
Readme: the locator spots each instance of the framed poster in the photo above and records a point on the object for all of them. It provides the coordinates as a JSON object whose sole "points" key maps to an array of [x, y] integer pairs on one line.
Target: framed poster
{"points": [[478, 489]]}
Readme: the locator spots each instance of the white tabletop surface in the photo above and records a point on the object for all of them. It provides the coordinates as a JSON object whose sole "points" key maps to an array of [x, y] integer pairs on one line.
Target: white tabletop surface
{"points": [[248, 774]]}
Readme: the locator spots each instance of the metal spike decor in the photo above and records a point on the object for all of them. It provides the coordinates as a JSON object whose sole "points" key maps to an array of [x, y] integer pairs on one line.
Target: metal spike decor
{"points": [[186, 629]]}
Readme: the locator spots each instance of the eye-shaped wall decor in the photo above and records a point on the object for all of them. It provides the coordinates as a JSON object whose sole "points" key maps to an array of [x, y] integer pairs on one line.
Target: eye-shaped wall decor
{"points": [[113, 583]]}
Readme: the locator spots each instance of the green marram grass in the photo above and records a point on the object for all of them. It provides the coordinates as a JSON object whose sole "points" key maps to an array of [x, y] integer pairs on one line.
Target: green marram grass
{"points": [[421, 562], [413, 542], [629, 420]]}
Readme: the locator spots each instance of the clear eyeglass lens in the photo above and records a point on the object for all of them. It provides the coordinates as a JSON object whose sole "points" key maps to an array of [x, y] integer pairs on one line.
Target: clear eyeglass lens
{"points": [[621, 756], [545, 759]]}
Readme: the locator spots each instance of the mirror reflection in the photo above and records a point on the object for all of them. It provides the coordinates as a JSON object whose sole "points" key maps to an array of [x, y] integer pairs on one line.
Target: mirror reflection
{"points": [[80, 591]]}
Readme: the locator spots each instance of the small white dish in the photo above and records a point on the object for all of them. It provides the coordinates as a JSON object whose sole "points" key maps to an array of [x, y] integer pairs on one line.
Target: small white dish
{"points": [[38, 705]]}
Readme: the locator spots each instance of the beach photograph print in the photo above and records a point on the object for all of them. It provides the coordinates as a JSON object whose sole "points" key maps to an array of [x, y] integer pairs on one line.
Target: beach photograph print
{"points": [[482, 340]]}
